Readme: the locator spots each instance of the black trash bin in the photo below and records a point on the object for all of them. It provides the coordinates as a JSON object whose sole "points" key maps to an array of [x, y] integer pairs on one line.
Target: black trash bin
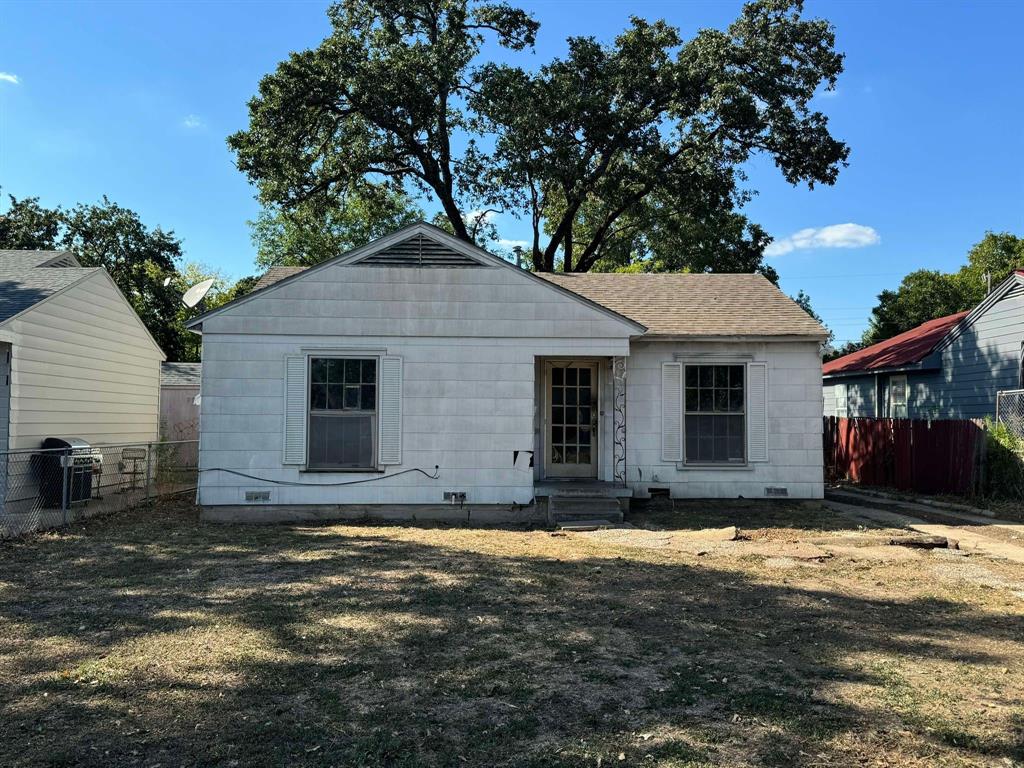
{"points": [[64, 469]]}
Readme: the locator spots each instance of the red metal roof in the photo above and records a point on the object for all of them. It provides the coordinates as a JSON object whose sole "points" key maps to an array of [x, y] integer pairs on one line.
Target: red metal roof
{"points": [[906, 349]]}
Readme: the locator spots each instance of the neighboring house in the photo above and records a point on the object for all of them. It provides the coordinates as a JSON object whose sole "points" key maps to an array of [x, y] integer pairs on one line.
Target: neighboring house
{"points": [[950, 367], [179, 400], [419, 370], [76, 360]]}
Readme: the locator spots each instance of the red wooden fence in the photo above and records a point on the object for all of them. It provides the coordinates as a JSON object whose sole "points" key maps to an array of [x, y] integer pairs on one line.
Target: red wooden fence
{"points": [[940, 456]]}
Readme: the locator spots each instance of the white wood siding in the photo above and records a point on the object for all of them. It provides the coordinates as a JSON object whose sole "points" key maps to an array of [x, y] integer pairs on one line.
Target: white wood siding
{"points": [[82, 365], [793, 422], [468, 339]]}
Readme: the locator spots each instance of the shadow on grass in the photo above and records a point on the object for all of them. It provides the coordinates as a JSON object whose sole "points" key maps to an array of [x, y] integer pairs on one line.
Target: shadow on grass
{"points": [[137, 641]]}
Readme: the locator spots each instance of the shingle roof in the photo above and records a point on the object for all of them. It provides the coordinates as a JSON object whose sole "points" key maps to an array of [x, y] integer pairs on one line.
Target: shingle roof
{"points": [[276, 274], [180, 374], [699, 305], [24, 281], [20, 261], [677, 304], [898, 352]]}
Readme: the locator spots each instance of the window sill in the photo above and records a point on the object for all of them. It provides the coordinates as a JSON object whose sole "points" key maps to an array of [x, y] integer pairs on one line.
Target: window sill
{"points": [[342, 470], [716, 467]]}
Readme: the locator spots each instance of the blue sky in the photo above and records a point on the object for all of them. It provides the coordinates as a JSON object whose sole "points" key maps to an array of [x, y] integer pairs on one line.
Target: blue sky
{"points": [[134, 101]]}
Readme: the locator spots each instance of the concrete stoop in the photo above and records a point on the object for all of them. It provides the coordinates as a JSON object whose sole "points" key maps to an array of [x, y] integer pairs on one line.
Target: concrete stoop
{"points": [[584, 511]]}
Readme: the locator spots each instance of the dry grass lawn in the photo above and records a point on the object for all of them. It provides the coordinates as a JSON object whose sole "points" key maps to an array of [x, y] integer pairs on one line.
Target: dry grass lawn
{"points": [[150, 639]]}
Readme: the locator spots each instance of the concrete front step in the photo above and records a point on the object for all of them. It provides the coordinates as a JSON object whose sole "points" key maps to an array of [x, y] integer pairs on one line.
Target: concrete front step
{"points": [[568, 509]]}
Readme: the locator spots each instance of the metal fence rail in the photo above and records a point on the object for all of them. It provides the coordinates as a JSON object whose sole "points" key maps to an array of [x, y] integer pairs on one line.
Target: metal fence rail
{"points": [[50, 488], [1010, 410]]}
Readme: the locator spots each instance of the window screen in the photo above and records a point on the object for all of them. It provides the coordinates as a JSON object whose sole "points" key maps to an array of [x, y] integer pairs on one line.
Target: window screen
{"points": [[715, 414], [342, 412]]}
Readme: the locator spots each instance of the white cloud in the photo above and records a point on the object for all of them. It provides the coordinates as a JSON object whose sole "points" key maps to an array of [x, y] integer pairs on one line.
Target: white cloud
{"points": [[833, 236], [192, 122], [7, 77], [513, 243]]}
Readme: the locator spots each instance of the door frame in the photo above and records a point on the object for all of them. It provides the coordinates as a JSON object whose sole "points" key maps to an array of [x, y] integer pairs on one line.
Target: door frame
{"points": [[547, 364]]}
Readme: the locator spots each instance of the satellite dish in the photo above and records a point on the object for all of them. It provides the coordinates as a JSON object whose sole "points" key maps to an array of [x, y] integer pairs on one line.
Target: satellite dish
{"points": [[196, 293], [167, 281]]}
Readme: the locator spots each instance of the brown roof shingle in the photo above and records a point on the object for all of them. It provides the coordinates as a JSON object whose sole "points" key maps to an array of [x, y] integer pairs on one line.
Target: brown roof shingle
{"points": [[677, 304]]}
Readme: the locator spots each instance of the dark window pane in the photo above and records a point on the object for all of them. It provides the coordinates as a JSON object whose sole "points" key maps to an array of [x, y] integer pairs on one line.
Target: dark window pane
{"points": [[705, 448], [352, 371], [369, 371], [557, 376], [707, 399], [351, 398], [584, 435], [735, 426], [691, 375], [584, 455], [584, 415], [335, 371], [585, 396], [557, 395], [691, 447], [691, 399], [318, 397], [318, 370], [570, 376], [570, 435], [570, 454], [721, 449], [721, 400], [584, 377], [341, 441], [556, 454], [736, 449], [706, 376], [570, 396], [368, 397], [335, 393], [721, 376], [736, 376], [557, 434], [735, 399], [558, 415], [570, 415]]}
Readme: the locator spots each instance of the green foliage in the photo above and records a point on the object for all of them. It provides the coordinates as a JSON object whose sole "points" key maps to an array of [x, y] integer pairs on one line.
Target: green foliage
{"points": [[617, 154], [1004, 462], [139, 259], [926, 294], [314, 231]]}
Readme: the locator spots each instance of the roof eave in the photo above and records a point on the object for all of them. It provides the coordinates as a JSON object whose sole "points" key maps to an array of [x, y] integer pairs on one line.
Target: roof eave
{"points": [[736, 338]]}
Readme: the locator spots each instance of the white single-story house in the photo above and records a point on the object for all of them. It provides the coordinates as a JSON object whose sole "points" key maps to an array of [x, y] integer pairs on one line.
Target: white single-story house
{"points": [[422, 376], [75, 362]]}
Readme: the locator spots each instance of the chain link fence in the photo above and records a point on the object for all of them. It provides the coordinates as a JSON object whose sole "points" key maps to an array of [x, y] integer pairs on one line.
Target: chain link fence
{"points": [[1010, 411], [49, 488]]}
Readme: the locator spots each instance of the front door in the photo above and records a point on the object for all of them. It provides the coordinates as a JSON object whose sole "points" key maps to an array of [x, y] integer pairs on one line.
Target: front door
{"points": [[572, 418]]}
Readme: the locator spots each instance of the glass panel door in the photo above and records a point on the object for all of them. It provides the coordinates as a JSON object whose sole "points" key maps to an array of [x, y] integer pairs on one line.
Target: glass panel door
{"points": [[571, 449]]}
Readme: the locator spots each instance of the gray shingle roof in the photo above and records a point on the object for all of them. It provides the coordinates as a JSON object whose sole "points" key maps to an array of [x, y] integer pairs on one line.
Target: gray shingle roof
{"points": [[180, 374], [276, 274], [26, 280], [677, 304]]}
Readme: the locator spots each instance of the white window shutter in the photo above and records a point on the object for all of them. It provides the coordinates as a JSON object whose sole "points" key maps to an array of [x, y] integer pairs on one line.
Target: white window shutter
{"points": [[757, 411], [389, 410], [295, 389], [672, 412]]}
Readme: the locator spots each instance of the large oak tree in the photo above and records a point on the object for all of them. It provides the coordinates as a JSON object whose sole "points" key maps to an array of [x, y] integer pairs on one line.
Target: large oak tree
{"points": [[614, 153]]}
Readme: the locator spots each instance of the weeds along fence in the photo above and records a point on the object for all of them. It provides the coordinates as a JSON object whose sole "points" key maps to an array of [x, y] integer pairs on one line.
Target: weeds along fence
{"points": [[940, 456], [1010, 411], [50, 488]]}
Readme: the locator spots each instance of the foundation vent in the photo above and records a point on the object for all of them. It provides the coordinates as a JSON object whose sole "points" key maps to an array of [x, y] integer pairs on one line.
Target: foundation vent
{"points": [[257, 495], [776, 491]]}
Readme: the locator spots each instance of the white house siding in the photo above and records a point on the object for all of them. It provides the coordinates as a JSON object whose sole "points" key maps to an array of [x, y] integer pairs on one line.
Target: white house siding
{"points": [[793, 422], [82, 365], [862, 398], [468, 338]]}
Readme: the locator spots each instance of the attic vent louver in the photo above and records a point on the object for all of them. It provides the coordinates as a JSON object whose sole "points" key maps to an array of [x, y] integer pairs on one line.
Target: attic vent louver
{"points": [[419, 251]]}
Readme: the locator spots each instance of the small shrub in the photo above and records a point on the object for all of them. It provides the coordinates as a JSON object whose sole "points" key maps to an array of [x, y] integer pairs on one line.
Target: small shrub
{"points": [[1004, 470]]}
